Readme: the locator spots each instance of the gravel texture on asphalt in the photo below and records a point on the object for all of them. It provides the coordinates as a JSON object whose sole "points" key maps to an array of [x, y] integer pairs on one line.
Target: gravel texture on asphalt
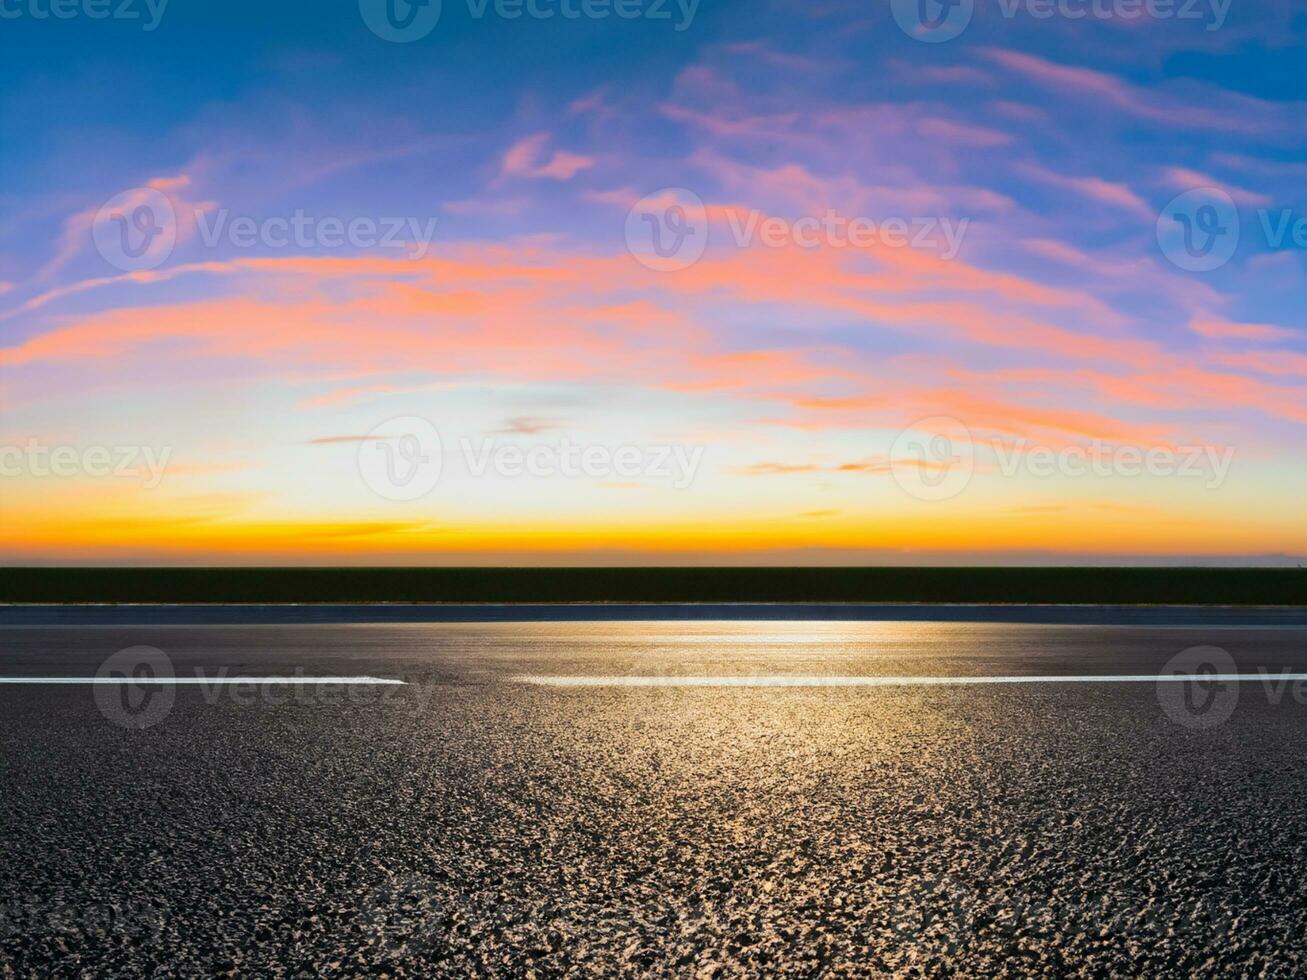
{"points": [[465, 823]]}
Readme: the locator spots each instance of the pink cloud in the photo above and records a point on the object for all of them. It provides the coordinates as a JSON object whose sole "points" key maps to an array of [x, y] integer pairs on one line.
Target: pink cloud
{"points": [[1018, 111], [500, 207], [1281, 362], [521, 313], [1216, 329], [768, 55], [943, 75], [349, 394], [728, 125], [1184, 179], [962, 134], [595, 102], [1094, 188], [77, 239], [525, 158], [1239, 114]]}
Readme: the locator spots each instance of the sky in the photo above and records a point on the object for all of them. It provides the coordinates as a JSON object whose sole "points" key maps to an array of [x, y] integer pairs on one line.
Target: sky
{"points": [[653, 282]]}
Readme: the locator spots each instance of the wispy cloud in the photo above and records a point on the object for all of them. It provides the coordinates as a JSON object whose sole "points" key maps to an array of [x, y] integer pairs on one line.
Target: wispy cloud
{"points": [[529, 157]]}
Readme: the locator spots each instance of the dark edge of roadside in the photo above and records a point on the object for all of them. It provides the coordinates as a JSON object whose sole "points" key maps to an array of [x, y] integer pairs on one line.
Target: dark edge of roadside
{"points": [[272, 614]]}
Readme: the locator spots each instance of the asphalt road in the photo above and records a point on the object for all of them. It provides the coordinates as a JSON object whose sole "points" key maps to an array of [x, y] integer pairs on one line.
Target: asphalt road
{"points": [[471, 822]]}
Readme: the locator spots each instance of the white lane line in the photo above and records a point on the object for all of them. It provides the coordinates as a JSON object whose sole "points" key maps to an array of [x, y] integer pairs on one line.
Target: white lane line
{"points": [[206, 681], [847, 681]]}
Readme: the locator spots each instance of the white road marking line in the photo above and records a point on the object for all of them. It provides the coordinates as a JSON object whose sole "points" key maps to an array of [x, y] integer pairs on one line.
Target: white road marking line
{"points": [[206, 681], [847, 681]]}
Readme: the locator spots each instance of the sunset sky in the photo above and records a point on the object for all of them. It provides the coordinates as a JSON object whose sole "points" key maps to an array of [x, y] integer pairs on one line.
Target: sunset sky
{"points": [[788, 396]]}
